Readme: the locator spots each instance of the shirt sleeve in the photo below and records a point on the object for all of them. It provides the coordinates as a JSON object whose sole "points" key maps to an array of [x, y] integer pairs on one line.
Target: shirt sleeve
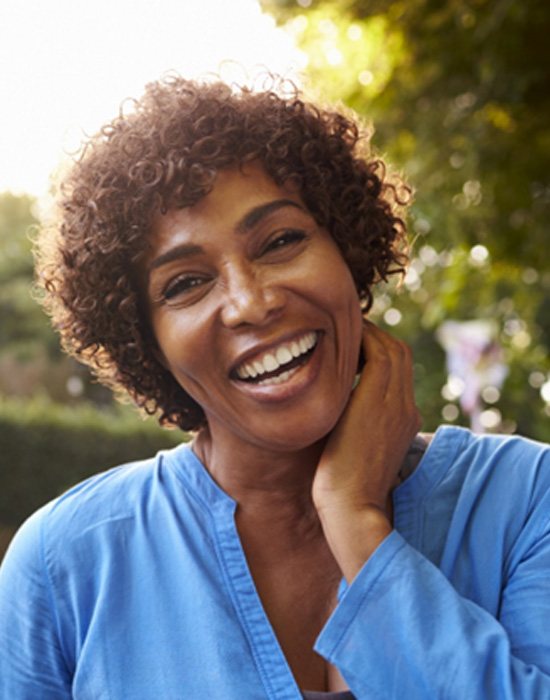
{"points": [[32, 664], [402, 630]]}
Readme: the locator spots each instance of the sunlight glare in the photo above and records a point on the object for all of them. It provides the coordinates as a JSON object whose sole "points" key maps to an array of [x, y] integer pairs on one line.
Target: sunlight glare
{"points": [[67, 65]]}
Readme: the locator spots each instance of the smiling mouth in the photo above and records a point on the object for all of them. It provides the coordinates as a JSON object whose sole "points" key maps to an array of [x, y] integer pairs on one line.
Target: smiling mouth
{"points": [[280, 363]]}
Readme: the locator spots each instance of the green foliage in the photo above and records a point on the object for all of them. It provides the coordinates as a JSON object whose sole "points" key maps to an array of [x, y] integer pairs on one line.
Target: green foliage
{"points": [[46, 448], [459, 93], [24, 329], [31, 360], [460, 96], [16, 223]]}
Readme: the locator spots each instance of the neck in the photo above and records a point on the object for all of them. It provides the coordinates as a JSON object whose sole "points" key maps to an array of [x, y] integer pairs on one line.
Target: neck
{"points": [[270, 487], [294, 571]]}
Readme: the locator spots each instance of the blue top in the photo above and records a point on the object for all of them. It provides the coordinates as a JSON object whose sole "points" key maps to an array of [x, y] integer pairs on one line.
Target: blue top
{"points": [[134, 585]]}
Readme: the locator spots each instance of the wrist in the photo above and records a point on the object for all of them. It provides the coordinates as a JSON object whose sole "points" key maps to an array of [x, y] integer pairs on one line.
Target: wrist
{"points": [[353, 535], [337, 504]]}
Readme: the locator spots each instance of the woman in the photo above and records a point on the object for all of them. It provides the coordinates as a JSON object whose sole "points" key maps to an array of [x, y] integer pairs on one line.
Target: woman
{"points": [[214, 258]]}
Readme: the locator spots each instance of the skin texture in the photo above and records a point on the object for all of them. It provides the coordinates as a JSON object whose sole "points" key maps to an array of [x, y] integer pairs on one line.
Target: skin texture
{"points": [[310, 462], [274, 282], [359, 468]]}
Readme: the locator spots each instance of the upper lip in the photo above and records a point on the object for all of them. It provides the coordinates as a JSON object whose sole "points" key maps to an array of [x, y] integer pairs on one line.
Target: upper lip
{"points": [[260, 349]]}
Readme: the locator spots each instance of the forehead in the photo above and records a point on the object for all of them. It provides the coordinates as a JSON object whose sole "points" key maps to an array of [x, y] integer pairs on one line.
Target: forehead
{"points": [[236, 195]]}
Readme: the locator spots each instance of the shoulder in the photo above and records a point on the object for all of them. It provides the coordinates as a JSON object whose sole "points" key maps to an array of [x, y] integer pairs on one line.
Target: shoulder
{"points": [[91, 509], [477, 493], [505, 473], [487, 452]]}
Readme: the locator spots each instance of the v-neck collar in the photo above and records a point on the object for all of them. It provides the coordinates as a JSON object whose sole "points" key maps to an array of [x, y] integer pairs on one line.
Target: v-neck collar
{"points": [[270, 661]]}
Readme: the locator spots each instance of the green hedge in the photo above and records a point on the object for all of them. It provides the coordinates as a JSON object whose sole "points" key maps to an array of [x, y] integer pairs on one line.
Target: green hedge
{"points": [[46, 448]]}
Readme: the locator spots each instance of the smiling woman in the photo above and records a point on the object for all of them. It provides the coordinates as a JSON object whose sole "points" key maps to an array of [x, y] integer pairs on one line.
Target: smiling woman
{"points": [[214, 258], [166, 157]]}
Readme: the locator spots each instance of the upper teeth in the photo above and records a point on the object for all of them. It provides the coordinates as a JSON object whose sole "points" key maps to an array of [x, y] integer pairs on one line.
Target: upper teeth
{"points": [[281, 355]]}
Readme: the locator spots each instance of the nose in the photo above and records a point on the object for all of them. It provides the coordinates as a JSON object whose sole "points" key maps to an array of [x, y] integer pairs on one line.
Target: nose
{"points": [[250, 297]]}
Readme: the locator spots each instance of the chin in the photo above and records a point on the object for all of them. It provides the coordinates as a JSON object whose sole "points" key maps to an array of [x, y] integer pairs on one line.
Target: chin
{"points": [[301, 434]]}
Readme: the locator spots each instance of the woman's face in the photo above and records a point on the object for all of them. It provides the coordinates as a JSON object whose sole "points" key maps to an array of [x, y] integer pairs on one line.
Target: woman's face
{"points": [[255, 312]]}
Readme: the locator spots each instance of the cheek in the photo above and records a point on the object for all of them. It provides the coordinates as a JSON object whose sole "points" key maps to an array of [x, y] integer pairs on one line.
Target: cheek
{"points": [[349, 316], [192, 356], [338, 286], [180, 348], [335, 275]]}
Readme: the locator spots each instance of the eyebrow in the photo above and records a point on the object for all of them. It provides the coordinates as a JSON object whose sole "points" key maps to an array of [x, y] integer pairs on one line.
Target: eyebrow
{"points": [[180, 251], [255, 215], [249, 220]]}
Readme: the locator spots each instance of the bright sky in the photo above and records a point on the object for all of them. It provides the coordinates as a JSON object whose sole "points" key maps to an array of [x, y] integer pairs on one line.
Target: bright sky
{"points": [[66, 65]]}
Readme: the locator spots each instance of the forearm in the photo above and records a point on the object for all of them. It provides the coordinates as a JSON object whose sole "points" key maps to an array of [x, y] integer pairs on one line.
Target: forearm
{"points": [[353, 535], [360, 464], [402, 630]]}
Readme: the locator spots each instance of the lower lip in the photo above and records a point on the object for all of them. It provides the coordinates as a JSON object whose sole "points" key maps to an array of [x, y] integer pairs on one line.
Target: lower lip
{"points": [[299, 381]]}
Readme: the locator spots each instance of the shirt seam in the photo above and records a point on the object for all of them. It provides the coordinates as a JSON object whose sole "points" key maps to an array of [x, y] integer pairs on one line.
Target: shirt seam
{"points": [[460, 436], [242, 617], [49, 586], [432, 448]]}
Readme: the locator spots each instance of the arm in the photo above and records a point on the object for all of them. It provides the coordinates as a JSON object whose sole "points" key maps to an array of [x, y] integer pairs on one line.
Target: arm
{"points": [[31, 661], [402, 629], [360, 463]]}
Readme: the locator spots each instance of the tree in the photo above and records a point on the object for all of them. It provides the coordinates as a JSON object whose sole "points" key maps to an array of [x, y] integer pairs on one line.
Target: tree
{"points": [[23, 324], [30, 357], [459, 93]]}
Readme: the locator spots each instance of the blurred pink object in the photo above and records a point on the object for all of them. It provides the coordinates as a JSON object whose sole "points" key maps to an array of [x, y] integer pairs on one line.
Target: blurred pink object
{"points": [[475, 358]]}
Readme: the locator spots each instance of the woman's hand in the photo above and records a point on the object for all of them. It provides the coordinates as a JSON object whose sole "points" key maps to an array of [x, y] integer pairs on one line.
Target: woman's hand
{"points": [[361, 460]]}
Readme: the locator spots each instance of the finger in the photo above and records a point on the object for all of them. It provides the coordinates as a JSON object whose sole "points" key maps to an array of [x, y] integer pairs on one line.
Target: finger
{"points": [[380, 338], [387, 359], [393, 358], [400, 388], [376, 372]]}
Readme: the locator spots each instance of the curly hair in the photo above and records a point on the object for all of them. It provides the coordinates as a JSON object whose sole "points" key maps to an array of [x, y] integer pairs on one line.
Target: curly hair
{"points": [[165, 153]]}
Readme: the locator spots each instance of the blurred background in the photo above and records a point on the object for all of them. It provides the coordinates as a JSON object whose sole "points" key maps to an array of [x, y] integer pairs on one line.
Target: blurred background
{"points": [[458, 93]]}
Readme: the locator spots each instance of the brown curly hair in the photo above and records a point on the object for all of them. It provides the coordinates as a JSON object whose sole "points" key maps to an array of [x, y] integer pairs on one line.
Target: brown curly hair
{"points": [[165, 153]]}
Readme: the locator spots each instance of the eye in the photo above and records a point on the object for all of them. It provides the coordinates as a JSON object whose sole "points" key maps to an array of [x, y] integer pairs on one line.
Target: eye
{"points": [[284, 239], [182, 285]]}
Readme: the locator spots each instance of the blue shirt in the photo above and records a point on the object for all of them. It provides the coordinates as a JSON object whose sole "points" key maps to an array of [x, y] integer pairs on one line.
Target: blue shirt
{"points": [[134, 586]]}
